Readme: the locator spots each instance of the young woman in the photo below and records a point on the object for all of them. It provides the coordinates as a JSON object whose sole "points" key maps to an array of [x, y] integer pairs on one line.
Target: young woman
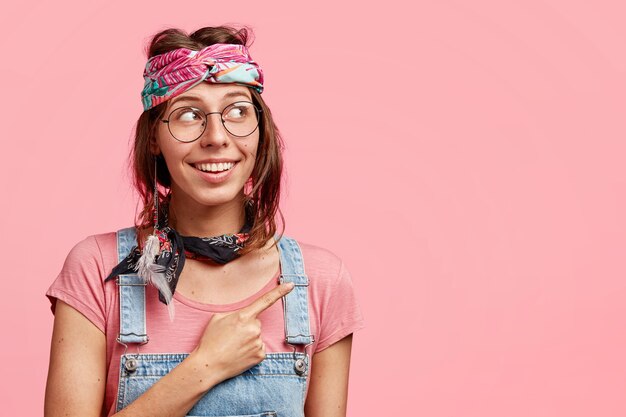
{"points": [[202, 308]]}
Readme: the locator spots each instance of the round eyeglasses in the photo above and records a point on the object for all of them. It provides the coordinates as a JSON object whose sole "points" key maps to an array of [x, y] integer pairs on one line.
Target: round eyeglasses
{"points": [[187, 123]]}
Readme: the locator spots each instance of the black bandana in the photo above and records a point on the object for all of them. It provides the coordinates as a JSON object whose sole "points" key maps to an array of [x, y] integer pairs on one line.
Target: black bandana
{"points": [[174, 248]]}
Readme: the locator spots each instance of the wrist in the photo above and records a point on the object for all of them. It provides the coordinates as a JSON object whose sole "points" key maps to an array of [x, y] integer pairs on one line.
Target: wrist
{"points": [[205, 370]]}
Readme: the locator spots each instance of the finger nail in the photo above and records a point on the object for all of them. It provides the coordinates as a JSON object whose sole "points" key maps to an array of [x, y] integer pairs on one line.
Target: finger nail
{"points": [[289, 285]]}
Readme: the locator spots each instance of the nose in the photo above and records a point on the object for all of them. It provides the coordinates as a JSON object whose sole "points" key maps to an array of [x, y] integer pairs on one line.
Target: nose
{"points": [[215, 133]]}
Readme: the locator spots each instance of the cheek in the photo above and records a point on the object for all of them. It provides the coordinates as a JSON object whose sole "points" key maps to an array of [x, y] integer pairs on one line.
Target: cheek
{"points": [[250, 148]]}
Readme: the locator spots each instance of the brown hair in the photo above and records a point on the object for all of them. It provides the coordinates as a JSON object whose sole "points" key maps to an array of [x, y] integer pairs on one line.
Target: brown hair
{"points": [[264, 194]]}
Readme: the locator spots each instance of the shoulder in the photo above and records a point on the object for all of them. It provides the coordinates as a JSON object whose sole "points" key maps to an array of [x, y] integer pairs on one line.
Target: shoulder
{"points": [[332, 296], [321, 265], [319, 257], [316, 255], [94, 252], [99, 243], [80, 283]]}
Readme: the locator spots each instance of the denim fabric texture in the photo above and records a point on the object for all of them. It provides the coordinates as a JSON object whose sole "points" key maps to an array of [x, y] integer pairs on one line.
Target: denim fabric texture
{"points": [[132, 301], [274, 387]]}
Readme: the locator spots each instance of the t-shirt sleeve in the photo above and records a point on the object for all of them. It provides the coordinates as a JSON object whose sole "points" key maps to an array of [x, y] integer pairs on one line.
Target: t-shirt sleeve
{"points": [[80, 283], [340, 314]]}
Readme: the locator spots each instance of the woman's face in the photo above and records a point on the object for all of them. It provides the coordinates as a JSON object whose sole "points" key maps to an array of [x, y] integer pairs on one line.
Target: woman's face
{"points": [[193, 175]]}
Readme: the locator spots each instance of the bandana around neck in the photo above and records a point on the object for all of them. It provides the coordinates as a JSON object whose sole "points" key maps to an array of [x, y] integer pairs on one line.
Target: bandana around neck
{"points": [[172, 249]]}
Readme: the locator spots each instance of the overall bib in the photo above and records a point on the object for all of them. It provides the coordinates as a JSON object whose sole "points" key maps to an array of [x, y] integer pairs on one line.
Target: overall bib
{"points": [[274, 387]]}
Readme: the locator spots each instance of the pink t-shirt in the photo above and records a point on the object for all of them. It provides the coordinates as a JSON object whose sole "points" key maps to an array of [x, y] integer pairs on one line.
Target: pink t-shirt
{"points": [[333, 309]]}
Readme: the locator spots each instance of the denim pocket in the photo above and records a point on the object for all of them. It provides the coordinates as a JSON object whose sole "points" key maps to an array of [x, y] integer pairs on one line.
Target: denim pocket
{"points": [[272, 388]]}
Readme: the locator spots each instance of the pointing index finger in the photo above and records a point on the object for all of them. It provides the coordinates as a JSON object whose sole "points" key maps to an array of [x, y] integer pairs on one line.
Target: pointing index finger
{"points": [[267, 299]]}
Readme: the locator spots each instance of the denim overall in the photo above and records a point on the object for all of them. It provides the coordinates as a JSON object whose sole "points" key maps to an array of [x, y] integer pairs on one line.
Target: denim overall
{"points": [[274, 387]]}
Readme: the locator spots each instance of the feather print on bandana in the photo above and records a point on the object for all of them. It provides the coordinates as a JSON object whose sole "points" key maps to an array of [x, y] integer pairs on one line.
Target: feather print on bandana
{"points": [[161, 268]]}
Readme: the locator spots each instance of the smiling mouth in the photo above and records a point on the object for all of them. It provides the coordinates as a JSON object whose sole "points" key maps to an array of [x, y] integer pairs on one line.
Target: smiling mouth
{"points": [[215, 167]]}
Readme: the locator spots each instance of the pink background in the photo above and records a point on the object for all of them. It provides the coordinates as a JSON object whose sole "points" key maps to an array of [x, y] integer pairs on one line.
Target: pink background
{"points": [[467, 157]]}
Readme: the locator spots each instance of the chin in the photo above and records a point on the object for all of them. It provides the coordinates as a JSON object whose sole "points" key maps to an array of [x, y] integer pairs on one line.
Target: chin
{"points": [[218, 199]]}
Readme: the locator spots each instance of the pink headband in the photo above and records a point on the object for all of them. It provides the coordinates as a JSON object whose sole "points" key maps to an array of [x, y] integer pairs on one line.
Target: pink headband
{"points": [[174, 72]]}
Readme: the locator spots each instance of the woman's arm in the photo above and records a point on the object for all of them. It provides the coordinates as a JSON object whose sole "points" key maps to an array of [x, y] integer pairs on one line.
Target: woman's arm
{"points": [[77, 370], [231, 343], [77, 374], [328, 384]]}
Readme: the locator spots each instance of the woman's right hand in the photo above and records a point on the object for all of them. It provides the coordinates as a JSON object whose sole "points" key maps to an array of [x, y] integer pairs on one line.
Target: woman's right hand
{"points": [[232, 342]]}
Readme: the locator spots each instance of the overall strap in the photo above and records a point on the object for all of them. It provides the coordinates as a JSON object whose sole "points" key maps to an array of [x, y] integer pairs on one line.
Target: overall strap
{"points": [[295, 304], [132, 291]]}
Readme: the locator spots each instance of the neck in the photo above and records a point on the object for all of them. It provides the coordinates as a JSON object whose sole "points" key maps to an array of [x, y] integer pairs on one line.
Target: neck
{"points": [[192, 219]]}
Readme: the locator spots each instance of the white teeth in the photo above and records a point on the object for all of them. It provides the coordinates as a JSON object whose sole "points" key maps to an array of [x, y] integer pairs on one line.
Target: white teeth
{"points": [[215, 167]]}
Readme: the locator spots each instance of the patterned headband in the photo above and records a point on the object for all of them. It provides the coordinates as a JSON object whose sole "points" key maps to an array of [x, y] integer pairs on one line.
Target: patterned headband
{"points": [[174, 72]]}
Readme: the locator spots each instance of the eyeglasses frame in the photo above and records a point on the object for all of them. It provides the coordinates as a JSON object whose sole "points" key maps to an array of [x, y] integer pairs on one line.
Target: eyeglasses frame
{"points": [[206, 120]]}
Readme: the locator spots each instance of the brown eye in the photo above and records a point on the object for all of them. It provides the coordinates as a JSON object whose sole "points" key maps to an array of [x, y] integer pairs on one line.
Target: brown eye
{"points": [[187, 115], [238, 112]]}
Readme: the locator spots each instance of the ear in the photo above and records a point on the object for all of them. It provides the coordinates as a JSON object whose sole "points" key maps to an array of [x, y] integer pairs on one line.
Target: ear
{"points": [[154, 146]]}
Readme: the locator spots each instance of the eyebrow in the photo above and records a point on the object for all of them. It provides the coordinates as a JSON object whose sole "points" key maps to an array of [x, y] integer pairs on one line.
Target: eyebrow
{"points": [[199, 100]]}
